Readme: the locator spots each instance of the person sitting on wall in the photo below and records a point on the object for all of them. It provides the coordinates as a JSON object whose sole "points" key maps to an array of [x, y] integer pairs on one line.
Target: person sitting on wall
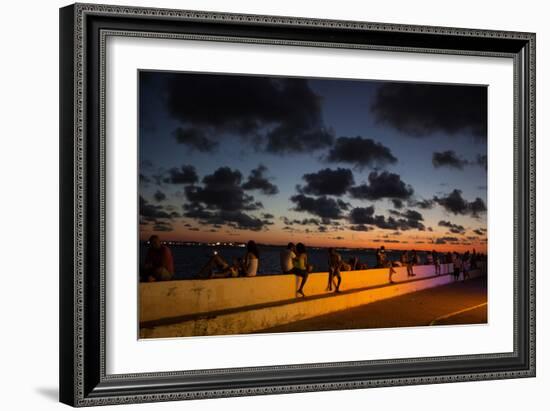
{"points": [[233, 270], [251, 259], [159, 263], [286, 257], [334, 263], [217, 267]]}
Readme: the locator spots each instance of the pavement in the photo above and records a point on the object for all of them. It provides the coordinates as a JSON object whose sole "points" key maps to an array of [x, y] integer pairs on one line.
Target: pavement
{"points": [[455, 303]]}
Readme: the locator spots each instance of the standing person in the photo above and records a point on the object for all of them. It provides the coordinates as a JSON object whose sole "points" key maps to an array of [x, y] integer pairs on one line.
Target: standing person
{"points": [[437, 264], [466, 266], [334, 262], [410, 264], [251, 259], [301, 267], [457, 265], [286, 258], [384, 262], [416, 258], [159, 263], [429, 258]]}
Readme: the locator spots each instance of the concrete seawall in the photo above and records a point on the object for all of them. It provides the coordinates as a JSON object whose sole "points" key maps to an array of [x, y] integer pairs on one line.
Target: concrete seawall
{"points": [[172, 301], [257, 318], [168, 299]]}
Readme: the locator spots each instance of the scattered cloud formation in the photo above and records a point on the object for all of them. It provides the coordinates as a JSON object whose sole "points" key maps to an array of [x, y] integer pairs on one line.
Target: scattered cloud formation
{"points": [[327, 182], [258, 181], [382, 185], [445, 240], [195, 138], [361, 152], [163, 226], [160, 196], [304, 221], [456, 204], [453, 228], [420, 110], [397, 203], [222, 190], [481, 161], [186, 174], [221, 200], [324, 207], [448, 159], [363, 216], [154, 213], [424, 204]]}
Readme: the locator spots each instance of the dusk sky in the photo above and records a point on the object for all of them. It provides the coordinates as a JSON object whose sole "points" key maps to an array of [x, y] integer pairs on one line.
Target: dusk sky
{"points": [[344, 163]]}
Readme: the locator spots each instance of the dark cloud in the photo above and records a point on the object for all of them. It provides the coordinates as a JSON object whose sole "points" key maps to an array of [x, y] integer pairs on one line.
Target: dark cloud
{"points": [[477, 207], [481, 160], [154, 213], [420, 110], [478, 231], [143, 178], [407, 220], [186, 174], [453, 228], [222, 191], [234, 218], [281, 115], [163, 226], [305, 221], [361, 152], [423, 204], [258, 181], [160, 196], [221, 200], [445, 240], [195, 138], [448, 159], [397, 203], [324, 207], [382, 185], [362, 215], [328, 182], [456, 204], [360, 227]]}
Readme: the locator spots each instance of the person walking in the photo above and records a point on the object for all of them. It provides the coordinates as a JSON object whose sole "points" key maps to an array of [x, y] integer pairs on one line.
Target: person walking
{"points": [[334, 263]]}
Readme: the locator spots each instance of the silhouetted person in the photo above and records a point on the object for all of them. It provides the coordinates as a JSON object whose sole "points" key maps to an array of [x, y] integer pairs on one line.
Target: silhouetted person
{"points": [[384, 262], [457, 266], [334, 262], [410, 264], [301, 267], [437, 263], [159, 263]]}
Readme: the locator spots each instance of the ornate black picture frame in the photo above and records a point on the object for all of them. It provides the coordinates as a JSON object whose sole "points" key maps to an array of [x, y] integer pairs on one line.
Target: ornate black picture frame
{"points": [[83, 30]]}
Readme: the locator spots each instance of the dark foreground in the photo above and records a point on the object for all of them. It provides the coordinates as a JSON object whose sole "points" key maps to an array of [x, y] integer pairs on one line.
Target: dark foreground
{"points": [[451, 304]]}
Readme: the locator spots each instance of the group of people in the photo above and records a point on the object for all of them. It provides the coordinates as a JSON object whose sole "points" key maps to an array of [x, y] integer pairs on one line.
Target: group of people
{"points": [[159, 264]]}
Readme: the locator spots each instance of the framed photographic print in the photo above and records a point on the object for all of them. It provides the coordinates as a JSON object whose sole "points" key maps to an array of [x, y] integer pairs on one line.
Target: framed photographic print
{"points": [[261, 204]]}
